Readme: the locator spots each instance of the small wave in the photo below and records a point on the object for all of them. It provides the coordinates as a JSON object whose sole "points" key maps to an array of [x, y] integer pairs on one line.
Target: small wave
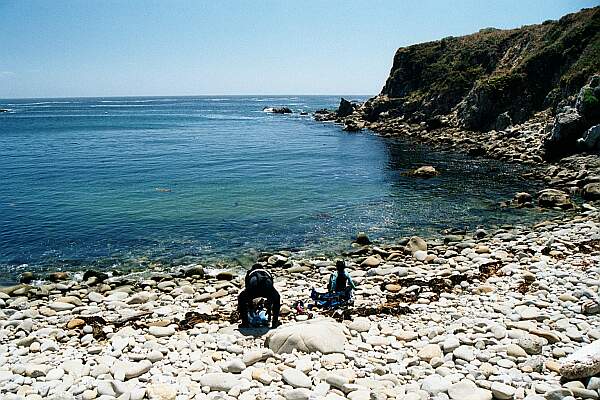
{"points": [[41, 103]]}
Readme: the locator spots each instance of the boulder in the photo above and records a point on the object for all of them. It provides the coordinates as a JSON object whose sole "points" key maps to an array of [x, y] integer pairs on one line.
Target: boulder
{"points": [[503, 121], [414, 244], [277, 110], [322, 334], [426, 171], [193, 271], [346, 108], [435, 384], [277, 260], [220, 381], [522, 198], [370, 261], [583, 363], [296, 378], [360, 324], [430, 351], [550, 198], [225, 275], [254, 356], [27, 277], [362, 239], [591, 139], [135, 369], [58, 276], [591, 191], [98, 276], [567, 128], [468, 390]]}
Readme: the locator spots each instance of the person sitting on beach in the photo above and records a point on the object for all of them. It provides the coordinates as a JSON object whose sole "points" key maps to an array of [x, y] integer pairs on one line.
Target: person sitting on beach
{"points": [[340, 281], [339, 290], [259, 284]]}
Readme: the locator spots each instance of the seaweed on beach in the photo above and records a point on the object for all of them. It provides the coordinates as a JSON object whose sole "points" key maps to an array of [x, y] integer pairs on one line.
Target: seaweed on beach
{"points": [[348, 313], [589, 246], [436, 285], [488, 270], [524, 287], [98, 323], [193, 318]]}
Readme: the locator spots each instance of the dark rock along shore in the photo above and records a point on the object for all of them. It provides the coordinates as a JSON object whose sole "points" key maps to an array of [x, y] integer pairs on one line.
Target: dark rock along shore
{"points": [[506, 314]]}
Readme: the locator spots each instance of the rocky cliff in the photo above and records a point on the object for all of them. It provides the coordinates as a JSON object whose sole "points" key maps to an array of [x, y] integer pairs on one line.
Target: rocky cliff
{"points": [[492, 78]]}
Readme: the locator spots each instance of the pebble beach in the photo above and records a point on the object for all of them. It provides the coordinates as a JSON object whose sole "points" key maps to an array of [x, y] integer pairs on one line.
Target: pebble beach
{"points": [[507, 318]]}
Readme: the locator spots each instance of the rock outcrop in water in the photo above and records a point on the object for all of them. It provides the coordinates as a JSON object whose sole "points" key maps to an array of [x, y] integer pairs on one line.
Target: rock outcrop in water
{"points": [[277, 110]]}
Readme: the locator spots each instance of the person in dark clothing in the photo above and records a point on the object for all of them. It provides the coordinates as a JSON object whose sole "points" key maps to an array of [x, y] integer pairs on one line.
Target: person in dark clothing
{"points": [[259, 283]]}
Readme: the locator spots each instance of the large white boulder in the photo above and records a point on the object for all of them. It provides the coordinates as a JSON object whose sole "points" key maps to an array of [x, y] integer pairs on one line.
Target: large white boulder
{"points": [[582, 363], [322, 334]]}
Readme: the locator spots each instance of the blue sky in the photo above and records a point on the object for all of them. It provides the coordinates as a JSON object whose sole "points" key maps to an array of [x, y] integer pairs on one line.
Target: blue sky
{"points": [[126, 48]]}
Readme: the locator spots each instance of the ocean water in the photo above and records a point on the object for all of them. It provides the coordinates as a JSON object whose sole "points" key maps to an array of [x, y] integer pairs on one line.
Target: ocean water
{"points": [[113, 182]]}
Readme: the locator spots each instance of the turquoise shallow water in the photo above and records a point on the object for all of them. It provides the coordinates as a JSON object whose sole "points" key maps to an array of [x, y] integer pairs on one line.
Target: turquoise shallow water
{"points": [[84, 181]]}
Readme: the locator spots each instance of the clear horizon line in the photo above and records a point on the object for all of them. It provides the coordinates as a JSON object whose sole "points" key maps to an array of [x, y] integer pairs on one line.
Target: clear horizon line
{"points": [[186, 95]]}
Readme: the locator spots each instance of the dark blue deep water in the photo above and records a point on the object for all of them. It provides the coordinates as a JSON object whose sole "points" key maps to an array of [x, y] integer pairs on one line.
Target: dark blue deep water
{"points": [[112, 181]]}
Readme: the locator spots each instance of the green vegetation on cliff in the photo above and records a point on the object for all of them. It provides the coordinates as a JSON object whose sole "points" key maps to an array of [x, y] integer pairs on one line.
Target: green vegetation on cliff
{"points": [[518, 71]]}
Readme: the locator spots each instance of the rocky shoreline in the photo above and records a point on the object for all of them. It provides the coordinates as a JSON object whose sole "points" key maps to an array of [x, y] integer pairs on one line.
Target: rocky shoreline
{"points": [[573, 175], [476, 315]]}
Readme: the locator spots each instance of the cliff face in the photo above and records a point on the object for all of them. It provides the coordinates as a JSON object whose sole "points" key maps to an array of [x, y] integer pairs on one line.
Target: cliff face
{"points": [[492, 76]]}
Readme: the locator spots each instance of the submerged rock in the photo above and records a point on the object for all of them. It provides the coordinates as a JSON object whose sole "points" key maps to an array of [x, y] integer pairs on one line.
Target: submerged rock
{"points": [[362, 239], [426, 171], [522, 198]]}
